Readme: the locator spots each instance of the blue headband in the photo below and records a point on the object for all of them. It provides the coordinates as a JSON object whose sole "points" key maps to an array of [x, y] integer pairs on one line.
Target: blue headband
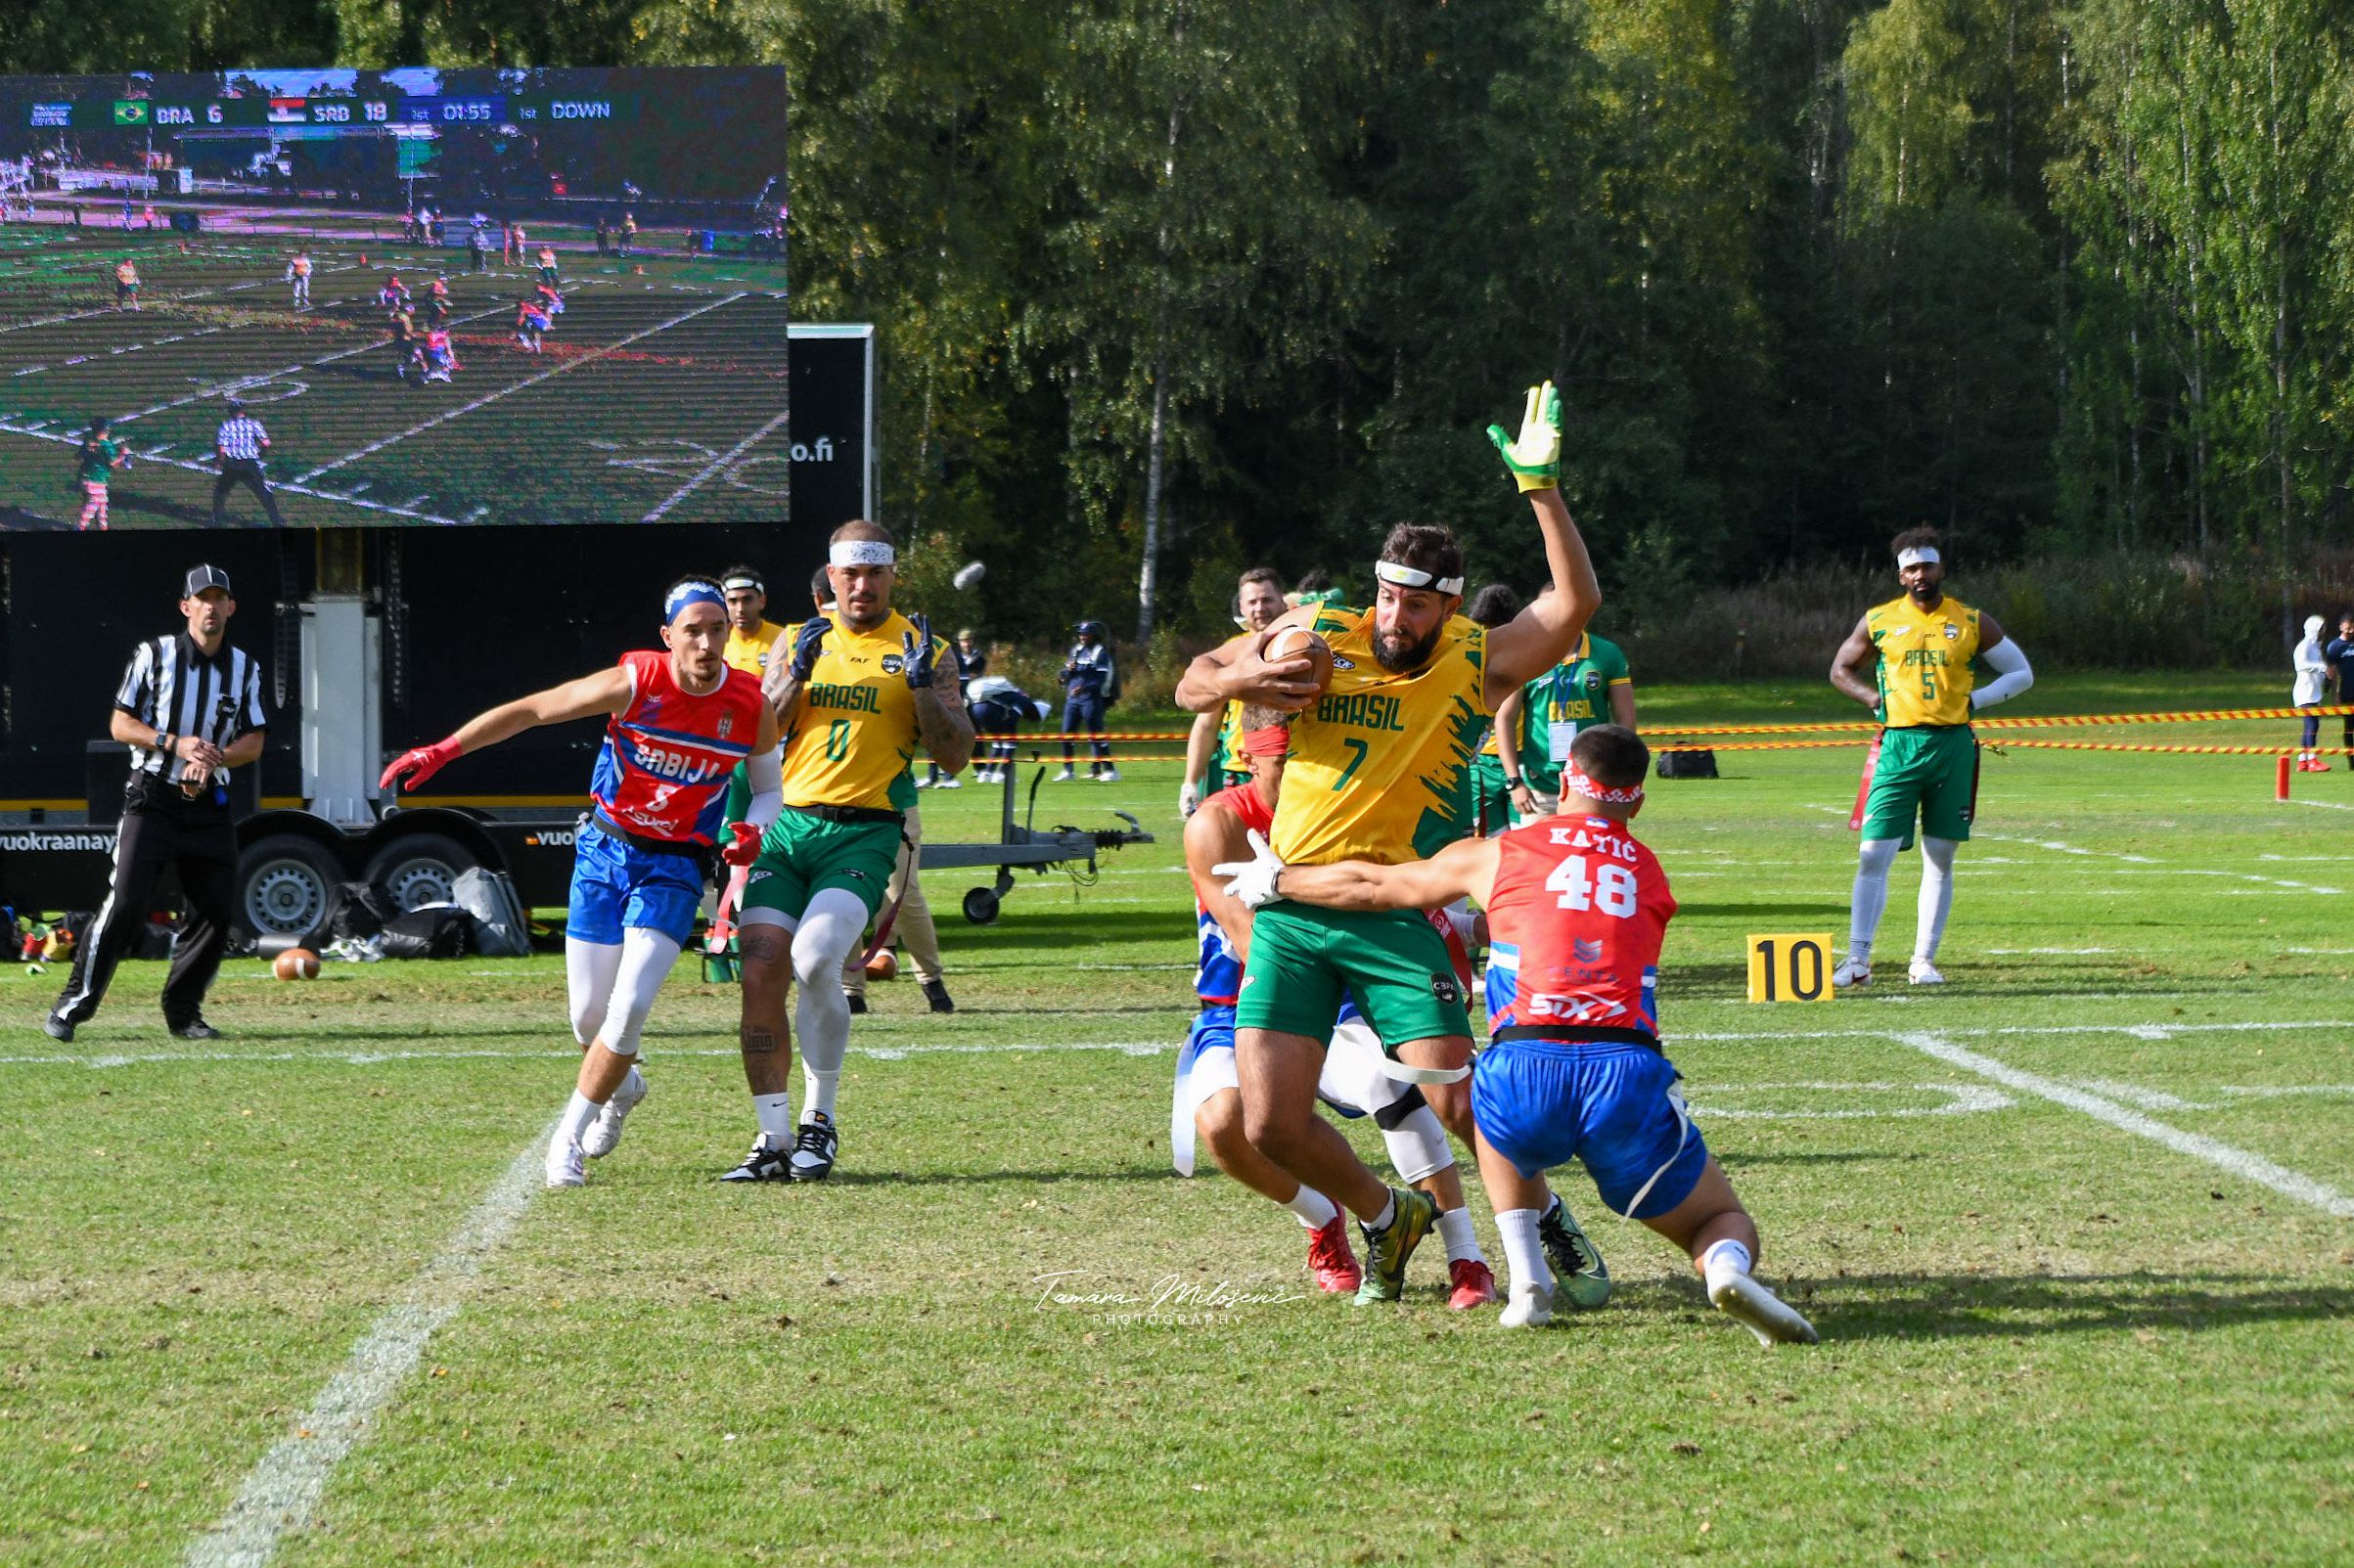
{"points": [[685, 594]]}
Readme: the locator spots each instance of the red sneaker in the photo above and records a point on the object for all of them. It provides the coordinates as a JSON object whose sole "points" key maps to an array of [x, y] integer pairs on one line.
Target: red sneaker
{"points": [[1474, 1284], [1330, 1262]]}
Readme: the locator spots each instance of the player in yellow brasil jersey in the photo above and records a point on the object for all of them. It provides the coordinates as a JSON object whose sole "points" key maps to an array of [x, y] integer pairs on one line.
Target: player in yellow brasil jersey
{"points": [[1377, 765], [857, 701], [1926, 647]]}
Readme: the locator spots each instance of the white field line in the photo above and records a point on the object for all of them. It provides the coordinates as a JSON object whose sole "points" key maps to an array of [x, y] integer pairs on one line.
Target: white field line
{"points": [[287, 488], [231, 389], [2155, 868], [2225, 1156], [1128, 1048], [160, 304], [281, 1491], [713, 466], [2325, 805], [590, 358]]}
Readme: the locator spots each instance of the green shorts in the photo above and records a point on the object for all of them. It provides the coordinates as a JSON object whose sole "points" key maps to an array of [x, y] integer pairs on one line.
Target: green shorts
{"points": [[1491, 801], [1303, 961], [1929, 772], [802, 855]]}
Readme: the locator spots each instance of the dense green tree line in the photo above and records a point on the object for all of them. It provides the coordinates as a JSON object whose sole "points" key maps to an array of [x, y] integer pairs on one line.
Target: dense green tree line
{"points": [[1171, 285]]}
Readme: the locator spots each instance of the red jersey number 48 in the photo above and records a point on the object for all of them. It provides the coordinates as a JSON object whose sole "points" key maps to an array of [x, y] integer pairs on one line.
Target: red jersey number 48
{"points": [[1613, 893]]}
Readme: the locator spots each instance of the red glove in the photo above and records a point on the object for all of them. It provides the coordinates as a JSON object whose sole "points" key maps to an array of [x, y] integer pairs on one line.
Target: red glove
{"points": [[412, 768], [747, 847]]}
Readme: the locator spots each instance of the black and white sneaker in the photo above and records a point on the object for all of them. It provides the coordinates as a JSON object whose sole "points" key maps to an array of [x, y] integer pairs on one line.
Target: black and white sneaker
{"points": [[196, 1029], [57, 1029], [814, 1150], [936, 992], [765, 1163]]}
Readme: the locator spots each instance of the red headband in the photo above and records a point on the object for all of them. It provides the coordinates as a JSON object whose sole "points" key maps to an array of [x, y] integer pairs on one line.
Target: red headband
{"points": [[1575, 777], [1271, 742]]}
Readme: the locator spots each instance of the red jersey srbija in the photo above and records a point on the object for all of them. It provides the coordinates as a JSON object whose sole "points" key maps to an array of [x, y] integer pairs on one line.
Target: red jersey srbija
{"points": [[664, 770], [1574, 927]]}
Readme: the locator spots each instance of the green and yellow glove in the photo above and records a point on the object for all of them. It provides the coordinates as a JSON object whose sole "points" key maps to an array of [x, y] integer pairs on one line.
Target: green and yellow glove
{"points": [[1535, 459]]}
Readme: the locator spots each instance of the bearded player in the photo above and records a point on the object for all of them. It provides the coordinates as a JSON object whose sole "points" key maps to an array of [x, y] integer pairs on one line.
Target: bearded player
{"points": [[1576, 911], [1377, 762], [1924, 693], [678, 721], [858, 699], [1207, 1102]]}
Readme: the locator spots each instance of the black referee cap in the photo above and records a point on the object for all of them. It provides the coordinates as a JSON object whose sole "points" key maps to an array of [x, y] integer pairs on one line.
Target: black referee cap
{"points": [[201, 578]]}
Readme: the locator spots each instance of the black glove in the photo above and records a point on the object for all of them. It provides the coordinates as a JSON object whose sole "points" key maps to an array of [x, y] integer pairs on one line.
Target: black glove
{"points": [[805, 646], [919, 653]]}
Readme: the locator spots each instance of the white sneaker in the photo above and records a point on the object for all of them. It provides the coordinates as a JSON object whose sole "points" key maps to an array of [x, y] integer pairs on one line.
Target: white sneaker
{"points": [[1850, 973], [922, 784], [1925, 973], [1531, 1306], [564, 1164], [1108, 776], [950, 783], [1762, 1313], [605, 1131], [1065, 777]]}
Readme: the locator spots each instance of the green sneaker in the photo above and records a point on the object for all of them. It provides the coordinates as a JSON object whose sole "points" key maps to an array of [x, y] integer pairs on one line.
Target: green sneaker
{"points": [[1576, 1261], [1387, 1249]]}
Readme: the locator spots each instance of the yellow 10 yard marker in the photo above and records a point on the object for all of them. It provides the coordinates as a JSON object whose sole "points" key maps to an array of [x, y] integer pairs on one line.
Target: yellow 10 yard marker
{"points": [[1783, 968]]}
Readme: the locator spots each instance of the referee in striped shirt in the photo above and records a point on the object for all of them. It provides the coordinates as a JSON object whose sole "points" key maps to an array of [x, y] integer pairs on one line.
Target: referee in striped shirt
{"points": [[190, 709], [239, 446]]}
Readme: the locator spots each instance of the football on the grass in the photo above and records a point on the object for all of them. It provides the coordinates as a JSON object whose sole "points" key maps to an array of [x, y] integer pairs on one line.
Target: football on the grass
{"points": [[884, 965], [1297, 641], [295, 964]]}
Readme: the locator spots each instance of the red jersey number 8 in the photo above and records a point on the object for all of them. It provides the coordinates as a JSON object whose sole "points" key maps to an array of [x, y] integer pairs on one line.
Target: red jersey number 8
{"points": [[1614, 895]]}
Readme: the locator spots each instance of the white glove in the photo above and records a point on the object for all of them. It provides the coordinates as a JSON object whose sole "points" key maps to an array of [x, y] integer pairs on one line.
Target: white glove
{"points": [[1188, 800], [1253, 880]]}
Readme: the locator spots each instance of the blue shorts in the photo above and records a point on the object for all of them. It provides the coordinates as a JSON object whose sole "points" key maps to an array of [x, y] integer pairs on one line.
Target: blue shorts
{"points": [[617, 885], [1611, 1105]]}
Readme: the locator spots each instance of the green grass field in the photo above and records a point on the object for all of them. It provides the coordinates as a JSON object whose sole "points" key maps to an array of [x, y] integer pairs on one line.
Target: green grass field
{"points": [[2075, 1229], [660, 389]]}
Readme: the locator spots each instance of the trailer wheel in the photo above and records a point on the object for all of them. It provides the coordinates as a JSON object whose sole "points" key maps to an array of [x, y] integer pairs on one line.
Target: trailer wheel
{"points": [[980, 907], [419, 869], [287, 888]]}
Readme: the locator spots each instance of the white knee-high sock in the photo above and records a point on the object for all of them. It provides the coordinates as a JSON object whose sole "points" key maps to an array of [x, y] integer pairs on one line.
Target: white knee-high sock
{"points": [[1936, 895], [589, 968], [1523, 1253], [830, 928], [1872, 864]]}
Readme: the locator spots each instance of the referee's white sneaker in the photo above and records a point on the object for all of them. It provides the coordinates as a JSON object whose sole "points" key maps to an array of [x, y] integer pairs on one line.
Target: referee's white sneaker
{"points": [[1851, 972], [604, 1133], [1925, 972], [564, 1164], [1064, 777]]}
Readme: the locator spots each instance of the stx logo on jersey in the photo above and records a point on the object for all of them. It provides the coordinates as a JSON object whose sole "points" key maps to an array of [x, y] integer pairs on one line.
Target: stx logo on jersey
{"points": [[1363, 710], [851, 698]]}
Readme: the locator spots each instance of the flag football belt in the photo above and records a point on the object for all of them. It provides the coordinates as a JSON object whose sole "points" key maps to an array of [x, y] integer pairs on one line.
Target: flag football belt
{"points": [[652, 846], [852, 814], [1556, 1034]]}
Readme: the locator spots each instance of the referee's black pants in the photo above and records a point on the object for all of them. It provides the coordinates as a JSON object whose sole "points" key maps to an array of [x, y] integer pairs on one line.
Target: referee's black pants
{"points": [[161, 826], [248, 472]]}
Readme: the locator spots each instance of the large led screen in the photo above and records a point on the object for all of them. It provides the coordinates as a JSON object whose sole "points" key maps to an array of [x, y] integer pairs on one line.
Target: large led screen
{"points": [[338, 297]]}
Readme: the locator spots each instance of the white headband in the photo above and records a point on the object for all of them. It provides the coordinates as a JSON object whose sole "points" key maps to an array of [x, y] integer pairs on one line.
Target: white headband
{"points": [[1404, 576], [1918, 555], [860, 553]]}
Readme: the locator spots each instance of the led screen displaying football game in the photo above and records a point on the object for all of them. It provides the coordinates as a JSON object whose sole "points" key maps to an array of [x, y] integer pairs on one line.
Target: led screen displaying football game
{"points": [[334, 298]]}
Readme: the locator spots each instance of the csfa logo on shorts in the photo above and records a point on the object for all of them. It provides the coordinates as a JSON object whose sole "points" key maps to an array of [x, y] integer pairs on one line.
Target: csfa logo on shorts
{"points": [[1445, 988]]}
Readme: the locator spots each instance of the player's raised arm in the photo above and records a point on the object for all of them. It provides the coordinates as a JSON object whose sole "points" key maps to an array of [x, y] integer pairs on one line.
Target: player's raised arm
{"points": [[607, 691], [1848, 666], [1233, 670], [1542, 635], [941, 722]]}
